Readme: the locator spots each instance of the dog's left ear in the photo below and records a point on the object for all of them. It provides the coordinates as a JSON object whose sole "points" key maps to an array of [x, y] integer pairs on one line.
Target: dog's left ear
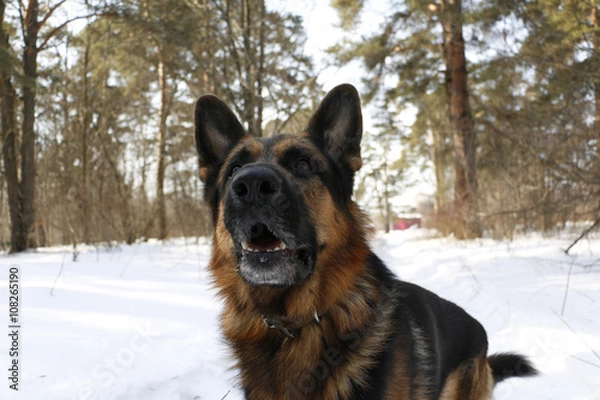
{"points": [[336, 127], [217, 132]]}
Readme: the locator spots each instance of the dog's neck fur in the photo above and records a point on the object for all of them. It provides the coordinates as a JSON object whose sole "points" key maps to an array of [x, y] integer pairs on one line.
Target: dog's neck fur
{"points": [[358, 323]]}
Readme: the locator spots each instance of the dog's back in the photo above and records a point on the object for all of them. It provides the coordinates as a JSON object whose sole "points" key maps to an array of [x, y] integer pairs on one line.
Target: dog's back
{"points": [[441, 347]]}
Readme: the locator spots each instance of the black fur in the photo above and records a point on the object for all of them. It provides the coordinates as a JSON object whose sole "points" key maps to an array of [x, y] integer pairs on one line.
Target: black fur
{"points": [[508, 365]]}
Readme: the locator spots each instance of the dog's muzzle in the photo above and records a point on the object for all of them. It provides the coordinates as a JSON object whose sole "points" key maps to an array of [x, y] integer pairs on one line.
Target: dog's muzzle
{"points": [[273, 250]]}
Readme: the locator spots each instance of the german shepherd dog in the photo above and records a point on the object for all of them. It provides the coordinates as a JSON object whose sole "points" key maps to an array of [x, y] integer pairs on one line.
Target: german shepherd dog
{"points": [[310, 312]]}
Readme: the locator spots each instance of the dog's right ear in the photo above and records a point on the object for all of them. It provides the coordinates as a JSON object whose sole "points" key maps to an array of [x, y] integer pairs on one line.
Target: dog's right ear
{"points": [[217, 132]]}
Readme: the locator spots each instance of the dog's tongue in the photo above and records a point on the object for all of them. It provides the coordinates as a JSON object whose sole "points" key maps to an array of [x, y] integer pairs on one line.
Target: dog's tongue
{"points": [[263, 240]]}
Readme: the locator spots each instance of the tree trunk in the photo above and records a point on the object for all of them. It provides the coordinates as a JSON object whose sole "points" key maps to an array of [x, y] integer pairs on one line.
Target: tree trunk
{"points": [[9, 143], [463, 134], [595, 17], [261, 70], [21, 192], [30, 52], [249, 63], [386, 196], [161, 209], [439, 169], [84, 195]]}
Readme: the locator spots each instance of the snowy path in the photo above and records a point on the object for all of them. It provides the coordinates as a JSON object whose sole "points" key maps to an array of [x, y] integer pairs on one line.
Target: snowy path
{"points": [[140, 322]]}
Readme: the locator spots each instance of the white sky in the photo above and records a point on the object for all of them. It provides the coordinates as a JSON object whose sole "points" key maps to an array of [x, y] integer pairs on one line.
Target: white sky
{"points": [[320, 23]]}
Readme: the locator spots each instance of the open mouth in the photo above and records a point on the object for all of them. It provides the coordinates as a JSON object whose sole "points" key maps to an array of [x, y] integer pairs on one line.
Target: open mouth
{"points": [[263, 240], [267, 260]]}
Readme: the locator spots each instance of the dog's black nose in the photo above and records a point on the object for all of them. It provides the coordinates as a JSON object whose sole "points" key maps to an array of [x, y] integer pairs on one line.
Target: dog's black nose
{"points": [[255, 185]]}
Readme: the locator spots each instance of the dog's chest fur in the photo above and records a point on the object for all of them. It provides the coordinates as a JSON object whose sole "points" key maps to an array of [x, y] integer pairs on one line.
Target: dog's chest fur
{"points": [[329, 359]]}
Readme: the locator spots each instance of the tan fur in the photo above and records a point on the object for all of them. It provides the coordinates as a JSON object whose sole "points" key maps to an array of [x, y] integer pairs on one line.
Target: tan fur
{"points": [[472, 380], [399, 384]]}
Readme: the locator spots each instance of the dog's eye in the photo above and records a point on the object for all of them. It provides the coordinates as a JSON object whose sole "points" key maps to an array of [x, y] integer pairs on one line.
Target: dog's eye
{"points": [[234, 169], [304, 165]]}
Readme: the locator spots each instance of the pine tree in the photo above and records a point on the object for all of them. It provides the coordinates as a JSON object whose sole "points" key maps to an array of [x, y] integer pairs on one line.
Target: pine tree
{"points": [[407, 47]]}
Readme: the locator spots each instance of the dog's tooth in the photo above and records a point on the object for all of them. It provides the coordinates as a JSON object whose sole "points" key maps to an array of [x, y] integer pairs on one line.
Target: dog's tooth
{"points": [[282, 246], [245, 246]]}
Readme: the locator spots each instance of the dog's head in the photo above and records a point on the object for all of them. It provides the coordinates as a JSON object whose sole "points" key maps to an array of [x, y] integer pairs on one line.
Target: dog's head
{"points": [[281, 204]]}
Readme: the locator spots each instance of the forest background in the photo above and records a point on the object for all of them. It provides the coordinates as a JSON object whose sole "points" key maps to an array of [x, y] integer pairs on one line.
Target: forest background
{"points": [[497, 101]]}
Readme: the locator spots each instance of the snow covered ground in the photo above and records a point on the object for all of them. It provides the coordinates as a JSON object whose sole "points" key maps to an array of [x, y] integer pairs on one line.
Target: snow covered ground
{"points": [[141, 321]]}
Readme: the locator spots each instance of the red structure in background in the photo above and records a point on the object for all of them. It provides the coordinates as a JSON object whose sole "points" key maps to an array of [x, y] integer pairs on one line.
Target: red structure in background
{"points": [[405, 222]]}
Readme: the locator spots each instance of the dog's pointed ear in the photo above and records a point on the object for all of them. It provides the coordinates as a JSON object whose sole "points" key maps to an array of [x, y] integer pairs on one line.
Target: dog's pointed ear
{"points": [[336, 126], [217, 131]]}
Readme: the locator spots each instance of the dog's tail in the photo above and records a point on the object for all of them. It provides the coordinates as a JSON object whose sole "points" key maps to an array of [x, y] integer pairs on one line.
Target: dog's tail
{"points": [[508, 365]]}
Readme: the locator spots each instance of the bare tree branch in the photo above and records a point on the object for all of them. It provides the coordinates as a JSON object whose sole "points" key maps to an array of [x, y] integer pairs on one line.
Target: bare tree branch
{"points": [[49, 13], [584, 233], [55, 31]]}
